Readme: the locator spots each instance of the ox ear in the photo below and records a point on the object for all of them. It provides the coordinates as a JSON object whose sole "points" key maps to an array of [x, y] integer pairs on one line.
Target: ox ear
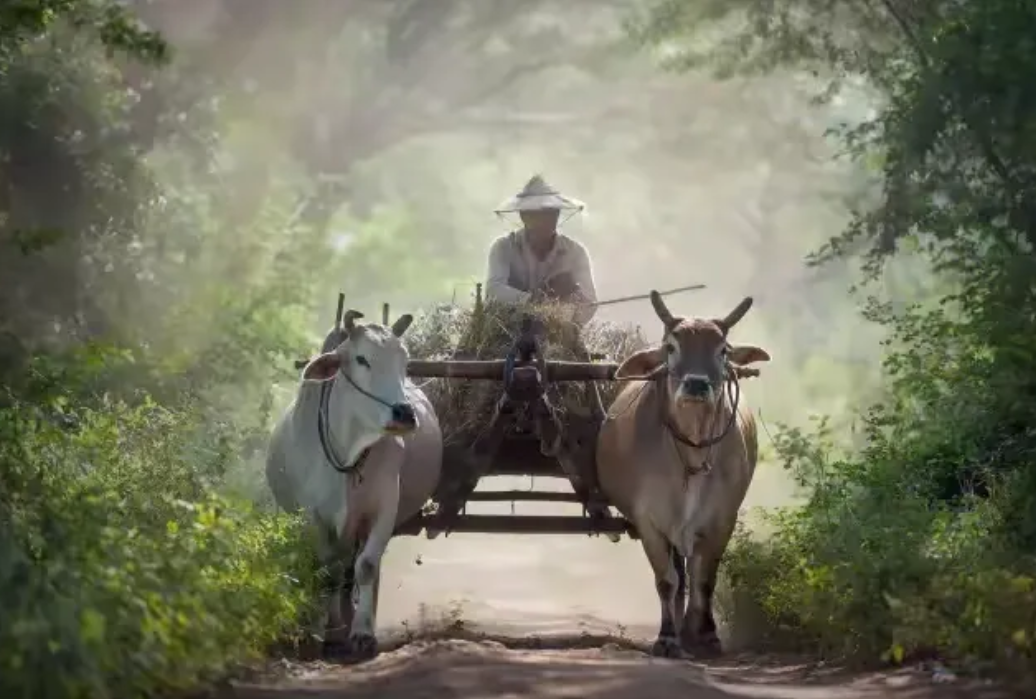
{"points": [[747, 354], [322, 368], [642, 364]]}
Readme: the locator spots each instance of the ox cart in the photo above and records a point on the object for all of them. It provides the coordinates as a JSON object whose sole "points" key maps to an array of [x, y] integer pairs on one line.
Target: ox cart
{"points": [[524, 434], [524, 429]]}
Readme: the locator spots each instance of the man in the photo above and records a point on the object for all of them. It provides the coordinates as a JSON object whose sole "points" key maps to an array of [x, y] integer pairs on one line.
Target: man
{"points": [[536, 262]]}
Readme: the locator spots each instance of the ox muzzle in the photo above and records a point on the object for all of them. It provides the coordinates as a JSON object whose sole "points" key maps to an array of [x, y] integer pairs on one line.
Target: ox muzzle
{"points": [[402, 419], [695, 388]]}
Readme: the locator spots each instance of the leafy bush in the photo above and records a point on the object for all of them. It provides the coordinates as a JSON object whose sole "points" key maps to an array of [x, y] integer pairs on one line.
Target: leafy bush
{"points": [[920, 543], [124, 572], [924, 540], [128, 567]]}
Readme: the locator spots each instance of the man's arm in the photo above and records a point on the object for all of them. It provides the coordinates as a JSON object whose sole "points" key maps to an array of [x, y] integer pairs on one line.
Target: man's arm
{"points": [[499, 274], [583, 274]]}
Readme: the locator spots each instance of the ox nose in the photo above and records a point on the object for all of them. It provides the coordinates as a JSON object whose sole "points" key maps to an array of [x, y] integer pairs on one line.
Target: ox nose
{"points": [[403, 416], [697, 386]]}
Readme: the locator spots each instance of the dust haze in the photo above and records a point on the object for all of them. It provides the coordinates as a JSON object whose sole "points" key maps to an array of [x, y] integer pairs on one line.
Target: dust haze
{"points": [[687, 180]]}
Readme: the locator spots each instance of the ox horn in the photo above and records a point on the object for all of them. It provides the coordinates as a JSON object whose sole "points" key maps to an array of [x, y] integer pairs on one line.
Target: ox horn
{"points": [[661, 310], [735, 315], [351, 316], [401, 324]]}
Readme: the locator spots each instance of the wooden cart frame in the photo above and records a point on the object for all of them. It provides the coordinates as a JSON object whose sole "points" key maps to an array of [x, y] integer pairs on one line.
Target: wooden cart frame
{"points": [[523, 436]]}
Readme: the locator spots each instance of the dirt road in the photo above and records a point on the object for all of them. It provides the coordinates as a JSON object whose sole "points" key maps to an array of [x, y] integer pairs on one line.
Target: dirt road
{"points": [[559, 613], [465, 669]]}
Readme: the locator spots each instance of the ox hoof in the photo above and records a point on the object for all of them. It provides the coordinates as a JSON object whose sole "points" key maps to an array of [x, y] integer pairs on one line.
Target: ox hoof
{"points": [[667, 647], [363, 647], [710, 650], [335, 650], [708, 647]]}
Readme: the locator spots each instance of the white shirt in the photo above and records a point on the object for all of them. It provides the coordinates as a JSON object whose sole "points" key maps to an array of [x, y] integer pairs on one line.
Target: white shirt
{"points": [[513, 267]]}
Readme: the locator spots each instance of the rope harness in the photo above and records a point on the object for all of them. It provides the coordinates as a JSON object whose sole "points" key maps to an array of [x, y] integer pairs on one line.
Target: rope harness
{"points": [[324, 427], [729, 396]]}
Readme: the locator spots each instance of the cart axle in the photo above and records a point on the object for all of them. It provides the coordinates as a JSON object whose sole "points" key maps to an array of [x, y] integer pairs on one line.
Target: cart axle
{"points": [[517, 524]]}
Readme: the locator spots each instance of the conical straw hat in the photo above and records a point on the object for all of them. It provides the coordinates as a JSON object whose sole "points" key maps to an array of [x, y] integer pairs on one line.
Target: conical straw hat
{"points": [[537, 195]]}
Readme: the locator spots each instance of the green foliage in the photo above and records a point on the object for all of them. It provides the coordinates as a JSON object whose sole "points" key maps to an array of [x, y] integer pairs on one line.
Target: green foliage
{"points": [[74, 181], [873, 566], [124, 572], [23, 20], [922, 541], [140, 334]]}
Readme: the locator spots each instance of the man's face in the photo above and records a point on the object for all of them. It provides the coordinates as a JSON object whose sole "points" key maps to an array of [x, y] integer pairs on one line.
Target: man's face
{"points": [[540, 225]]}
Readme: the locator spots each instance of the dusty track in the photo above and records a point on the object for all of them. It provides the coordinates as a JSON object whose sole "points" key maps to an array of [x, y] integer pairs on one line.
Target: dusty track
{"points": [[472, 669], [539, 617]]}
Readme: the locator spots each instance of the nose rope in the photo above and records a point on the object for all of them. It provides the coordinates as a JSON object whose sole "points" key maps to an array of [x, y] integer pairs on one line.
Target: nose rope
{"points": [[730, 392], [324, 426], [364, 391], [633, 402]]}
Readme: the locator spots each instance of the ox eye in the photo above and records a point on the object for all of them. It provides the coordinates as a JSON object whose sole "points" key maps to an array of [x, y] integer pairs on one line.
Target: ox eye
{"points": [[669, 349], [362, 361]]}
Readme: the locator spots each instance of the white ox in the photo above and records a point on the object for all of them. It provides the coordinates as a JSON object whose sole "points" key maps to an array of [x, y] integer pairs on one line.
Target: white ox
{"points": [[359, 450]]}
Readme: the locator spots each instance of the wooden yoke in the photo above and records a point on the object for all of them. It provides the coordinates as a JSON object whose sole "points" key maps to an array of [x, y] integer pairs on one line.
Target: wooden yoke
{"points": [[524, 434], [493, 370]]}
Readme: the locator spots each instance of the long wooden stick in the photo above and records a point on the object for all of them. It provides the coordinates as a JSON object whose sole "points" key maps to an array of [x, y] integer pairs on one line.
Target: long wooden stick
{"points": [[641, 297]]}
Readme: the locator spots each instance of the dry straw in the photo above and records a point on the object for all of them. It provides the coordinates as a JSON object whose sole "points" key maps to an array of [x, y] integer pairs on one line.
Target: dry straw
{"points": [[448, 332]]}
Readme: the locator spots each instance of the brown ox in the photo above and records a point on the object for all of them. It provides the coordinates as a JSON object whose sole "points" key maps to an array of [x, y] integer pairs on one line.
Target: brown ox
{"points": [[676, 456]]}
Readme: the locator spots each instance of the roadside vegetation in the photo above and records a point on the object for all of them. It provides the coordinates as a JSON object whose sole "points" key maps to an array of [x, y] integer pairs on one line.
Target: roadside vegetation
{"points": [[128, 568], [921, 540]]}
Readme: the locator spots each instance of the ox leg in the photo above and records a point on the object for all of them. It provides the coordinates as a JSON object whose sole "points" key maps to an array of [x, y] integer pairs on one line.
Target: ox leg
{"points": [[345, 595], [377, 590], [680, 565], [362, 638], [658, 553], [698, 633], [337, 616]]}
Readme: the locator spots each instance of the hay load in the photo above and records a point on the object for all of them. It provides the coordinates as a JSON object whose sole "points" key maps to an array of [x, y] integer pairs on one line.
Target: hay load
{"points": [[452, 332]]}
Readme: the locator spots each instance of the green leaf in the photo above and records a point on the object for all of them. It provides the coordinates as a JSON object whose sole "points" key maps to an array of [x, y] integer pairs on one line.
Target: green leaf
{"points": [[92, 626]]}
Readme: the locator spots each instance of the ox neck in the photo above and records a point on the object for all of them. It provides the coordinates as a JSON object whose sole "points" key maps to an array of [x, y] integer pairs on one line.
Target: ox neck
{"points": [[349, 435]]}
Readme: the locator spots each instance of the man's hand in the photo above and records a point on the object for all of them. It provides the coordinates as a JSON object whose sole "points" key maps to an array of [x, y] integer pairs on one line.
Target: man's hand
{"points": [[563, 288]]}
